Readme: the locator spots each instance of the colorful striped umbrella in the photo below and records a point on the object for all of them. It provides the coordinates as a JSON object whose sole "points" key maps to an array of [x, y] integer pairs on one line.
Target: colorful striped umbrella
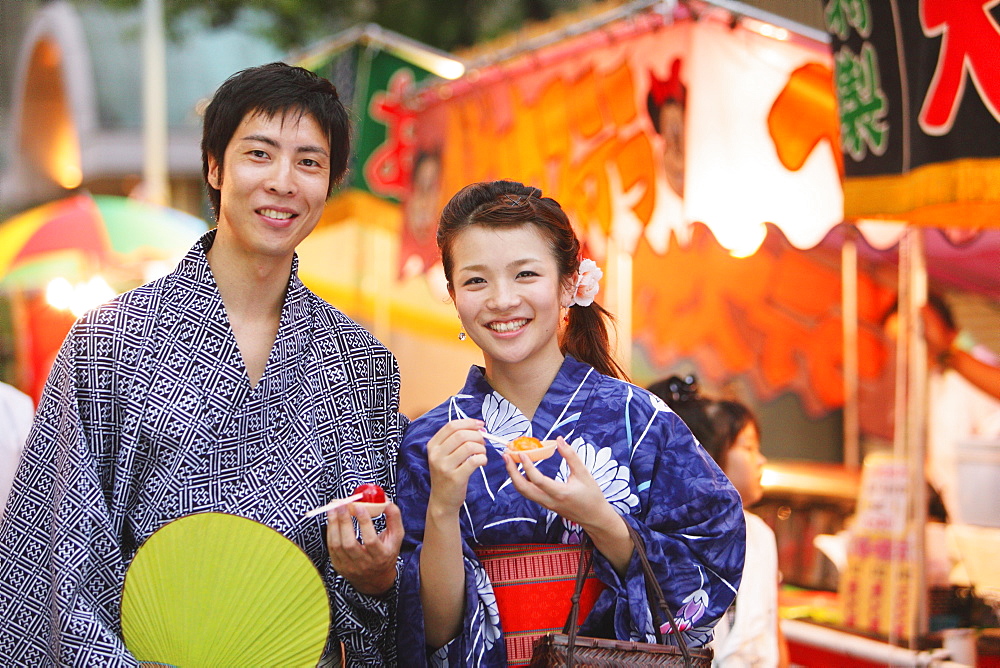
{"points": [[85, 234]]}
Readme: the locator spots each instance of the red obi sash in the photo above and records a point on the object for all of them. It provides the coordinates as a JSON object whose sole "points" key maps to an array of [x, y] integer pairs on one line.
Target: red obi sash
{"points": [[533, 584]]}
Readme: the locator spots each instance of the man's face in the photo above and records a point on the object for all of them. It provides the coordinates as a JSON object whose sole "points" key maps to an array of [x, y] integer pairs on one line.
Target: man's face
{"points": [[273, 184]]}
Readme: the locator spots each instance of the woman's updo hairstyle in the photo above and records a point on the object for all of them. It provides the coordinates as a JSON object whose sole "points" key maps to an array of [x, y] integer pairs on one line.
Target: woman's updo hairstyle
{"points": [[715, 423], [498, 204]]}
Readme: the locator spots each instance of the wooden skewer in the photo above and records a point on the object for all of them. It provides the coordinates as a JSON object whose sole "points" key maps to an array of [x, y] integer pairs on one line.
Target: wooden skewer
{"points": [[336, 503]]}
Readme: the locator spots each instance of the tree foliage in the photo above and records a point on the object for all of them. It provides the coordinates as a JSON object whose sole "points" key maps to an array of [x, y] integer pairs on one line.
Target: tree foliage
{"points": [[445, 24]]}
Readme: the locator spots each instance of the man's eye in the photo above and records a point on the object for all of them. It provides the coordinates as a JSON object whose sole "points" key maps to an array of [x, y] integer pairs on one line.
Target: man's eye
{"points": [[257, 153]]}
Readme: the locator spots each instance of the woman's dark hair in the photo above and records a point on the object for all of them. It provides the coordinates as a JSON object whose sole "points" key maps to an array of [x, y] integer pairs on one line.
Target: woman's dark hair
{"points": [[715, 423], [272, 90], [497, 204]]}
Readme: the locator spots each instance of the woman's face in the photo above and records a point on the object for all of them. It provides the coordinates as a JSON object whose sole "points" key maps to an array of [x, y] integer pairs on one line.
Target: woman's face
{"points": [[744, 465], [506, 288]]}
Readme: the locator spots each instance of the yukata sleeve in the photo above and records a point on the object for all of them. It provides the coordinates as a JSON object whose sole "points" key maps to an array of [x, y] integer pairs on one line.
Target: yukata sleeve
{"points": [[364, 623], [479, 642], [367, 624], [61, 563], [691, 521]]}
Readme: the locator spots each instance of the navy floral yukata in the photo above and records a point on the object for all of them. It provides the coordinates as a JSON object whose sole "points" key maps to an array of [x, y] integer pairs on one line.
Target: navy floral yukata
{"points": [[651, 470]]}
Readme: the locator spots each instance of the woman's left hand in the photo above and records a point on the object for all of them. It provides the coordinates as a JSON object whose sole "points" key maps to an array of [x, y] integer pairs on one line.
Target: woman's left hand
{"points": [[580, 499], [577, 499]]}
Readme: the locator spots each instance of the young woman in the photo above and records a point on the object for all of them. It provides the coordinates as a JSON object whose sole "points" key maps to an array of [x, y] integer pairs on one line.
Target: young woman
{"points": [[524, 296], [749, 634]]}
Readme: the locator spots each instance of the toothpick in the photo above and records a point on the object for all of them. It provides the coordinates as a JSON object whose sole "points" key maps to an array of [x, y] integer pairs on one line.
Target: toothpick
{"points": [[336, 503]]}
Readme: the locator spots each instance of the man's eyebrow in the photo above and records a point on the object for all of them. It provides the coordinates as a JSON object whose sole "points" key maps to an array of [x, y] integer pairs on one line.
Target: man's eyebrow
{"points": [[264, 139]]}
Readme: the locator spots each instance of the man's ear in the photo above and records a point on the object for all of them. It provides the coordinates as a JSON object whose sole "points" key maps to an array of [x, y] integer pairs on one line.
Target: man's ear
{"points": [[214, 173]]}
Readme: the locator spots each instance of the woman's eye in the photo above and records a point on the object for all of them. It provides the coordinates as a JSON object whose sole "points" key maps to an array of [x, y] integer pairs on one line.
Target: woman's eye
{"points": [[527, 273], [475, 280]]}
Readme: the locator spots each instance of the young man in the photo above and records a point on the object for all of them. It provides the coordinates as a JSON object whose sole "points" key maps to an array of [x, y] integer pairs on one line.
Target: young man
{"points": [[225, 386]]}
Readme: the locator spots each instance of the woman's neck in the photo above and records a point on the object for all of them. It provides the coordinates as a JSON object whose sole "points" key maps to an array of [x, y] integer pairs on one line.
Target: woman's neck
{"points": [[524, 385]]}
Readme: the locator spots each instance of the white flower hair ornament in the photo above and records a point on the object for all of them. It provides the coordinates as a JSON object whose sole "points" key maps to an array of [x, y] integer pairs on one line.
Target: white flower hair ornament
{"points": [[588, 282]]}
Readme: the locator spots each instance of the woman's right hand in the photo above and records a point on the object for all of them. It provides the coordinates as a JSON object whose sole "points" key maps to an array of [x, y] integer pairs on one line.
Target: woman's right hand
{"points": [[453, 453]]}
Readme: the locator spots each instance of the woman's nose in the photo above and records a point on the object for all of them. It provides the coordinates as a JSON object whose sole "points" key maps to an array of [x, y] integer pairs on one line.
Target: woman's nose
{"points": [[504, 296]]}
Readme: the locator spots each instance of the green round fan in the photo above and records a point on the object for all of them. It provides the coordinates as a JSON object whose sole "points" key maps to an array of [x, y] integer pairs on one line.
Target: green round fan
{"points": [[213, 589]]}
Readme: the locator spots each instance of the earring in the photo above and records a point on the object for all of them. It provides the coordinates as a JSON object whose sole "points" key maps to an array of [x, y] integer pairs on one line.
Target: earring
{"points": [[461, 333]]}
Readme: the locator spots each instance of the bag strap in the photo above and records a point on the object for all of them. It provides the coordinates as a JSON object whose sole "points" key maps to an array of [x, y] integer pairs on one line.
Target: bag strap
{"points": [[654, 594]]}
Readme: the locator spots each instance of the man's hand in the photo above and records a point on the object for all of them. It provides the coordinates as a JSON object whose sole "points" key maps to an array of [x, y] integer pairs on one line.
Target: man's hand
{"points": [[369, 566], [937, 333]]}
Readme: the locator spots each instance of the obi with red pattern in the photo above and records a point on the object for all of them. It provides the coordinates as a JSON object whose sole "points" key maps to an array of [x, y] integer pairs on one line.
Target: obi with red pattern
{"points": [[533, 585]]}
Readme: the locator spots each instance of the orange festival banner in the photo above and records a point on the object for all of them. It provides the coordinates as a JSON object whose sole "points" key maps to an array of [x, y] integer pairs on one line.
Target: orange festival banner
{"points": [[643, 129]]}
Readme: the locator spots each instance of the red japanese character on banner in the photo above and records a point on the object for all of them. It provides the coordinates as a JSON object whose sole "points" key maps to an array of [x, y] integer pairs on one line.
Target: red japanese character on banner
{"points": [[387, 170], [970, 42]]}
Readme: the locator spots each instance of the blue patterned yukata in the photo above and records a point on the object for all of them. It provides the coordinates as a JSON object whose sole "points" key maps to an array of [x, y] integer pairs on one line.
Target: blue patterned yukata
{"points": [[651, 470], [148, 415]]}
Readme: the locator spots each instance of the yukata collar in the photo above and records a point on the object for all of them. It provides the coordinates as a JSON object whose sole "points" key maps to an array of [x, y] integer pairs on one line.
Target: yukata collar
{"points": [[572, 373], [196, 263], [296, 325]]}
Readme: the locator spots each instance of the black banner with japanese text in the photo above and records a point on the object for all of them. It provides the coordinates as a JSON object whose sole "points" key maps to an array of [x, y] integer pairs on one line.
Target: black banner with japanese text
{"points": [[918, 81], [918, 89]]}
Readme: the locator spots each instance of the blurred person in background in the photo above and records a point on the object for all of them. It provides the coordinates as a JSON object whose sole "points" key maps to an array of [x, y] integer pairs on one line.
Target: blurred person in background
{"points": [[952, 348], [963, 390], [16, 412], [749, 634]]}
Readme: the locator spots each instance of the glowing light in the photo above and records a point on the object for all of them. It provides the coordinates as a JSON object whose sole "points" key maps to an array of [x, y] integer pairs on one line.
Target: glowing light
{"points": [[437, 64], [69, 175], [769, 478], [743, 241], [154, 270], [59, 293], [79, 298], [767, 29]]}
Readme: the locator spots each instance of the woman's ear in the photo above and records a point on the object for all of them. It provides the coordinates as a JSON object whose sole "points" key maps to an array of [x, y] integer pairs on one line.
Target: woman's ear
{"points": [[566, 295]]}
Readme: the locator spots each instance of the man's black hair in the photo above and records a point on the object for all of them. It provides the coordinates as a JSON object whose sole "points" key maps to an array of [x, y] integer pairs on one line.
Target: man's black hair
{"points": [[273, 90]]}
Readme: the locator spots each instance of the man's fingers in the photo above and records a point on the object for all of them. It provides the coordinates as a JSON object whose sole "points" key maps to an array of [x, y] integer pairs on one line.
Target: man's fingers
{"points": [[394, 529], [368, 534]]}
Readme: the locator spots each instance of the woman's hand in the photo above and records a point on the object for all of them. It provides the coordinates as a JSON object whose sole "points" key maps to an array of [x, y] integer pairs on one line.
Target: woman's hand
{"points": [[453, 453], [579, 499]]}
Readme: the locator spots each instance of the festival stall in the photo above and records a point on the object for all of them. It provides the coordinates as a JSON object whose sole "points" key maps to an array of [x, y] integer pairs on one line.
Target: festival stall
{"points": [[674, 119]]}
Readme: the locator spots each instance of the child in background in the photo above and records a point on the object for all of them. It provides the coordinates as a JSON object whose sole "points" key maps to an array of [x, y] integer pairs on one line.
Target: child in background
{"points": [[749, 633]]}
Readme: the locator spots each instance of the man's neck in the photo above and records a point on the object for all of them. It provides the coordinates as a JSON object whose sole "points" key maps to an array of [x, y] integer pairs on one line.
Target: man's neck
{"points": [[250, 287], [253, 292]]}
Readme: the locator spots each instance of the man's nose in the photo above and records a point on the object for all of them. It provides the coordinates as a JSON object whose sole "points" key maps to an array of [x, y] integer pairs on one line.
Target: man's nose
{"points": [[281, 178]]}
